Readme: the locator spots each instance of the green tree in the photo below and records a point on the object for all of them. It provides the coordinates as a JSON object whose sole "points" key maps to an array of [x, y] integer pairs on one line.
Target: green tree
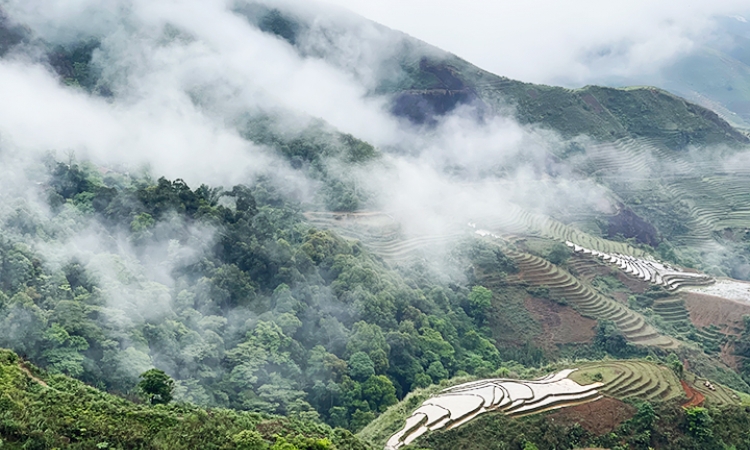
{"points": [[699, 423], [379, 392], [675, 364], [480, 302], [559, 253], [369, 338], [610, 339], [249, 440], [437, 372], [157, 386], [361, 366]]}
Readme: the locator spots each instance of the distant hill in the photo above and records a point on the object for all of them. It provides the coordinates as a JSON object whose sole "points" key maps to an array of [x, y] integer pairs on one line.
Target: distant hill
{"points": [[427, 82], [716, 74]]}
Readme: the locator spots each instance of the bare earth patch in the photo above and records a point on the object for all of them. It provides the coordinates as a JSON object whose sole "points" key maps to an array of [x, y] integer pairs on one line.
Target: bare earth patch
{"points": [[560, 324], [599, 417], [25, 370], [706, 310], [695, 398]]}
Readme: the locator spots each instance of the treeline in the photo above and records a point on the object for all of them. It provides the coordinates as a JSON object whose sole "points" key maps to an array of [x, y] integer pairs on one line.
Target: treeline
{"points": [[232, 294]]}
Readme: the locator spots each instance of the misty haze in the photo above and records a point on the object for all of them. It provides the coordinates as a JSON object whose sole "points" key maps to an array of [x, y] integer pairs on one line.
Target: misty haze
{"points": [[293, 225]]}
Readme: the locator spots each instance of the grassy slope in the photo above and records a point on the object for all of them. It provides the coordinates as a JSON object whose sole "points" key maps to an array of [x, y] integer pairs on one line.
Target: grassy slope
{"points": [[39, 411]]}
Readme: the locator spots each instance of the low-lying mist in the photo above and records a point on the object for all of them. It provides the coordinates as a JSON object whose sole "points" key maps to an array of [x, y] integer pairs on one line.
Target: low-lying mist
{"points": [[199, 93]]}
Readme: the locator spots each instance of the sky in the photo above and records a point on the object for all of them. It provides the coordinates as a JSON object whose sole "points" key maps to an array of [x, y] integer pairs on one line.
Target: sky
{"points": [[572, 43]]}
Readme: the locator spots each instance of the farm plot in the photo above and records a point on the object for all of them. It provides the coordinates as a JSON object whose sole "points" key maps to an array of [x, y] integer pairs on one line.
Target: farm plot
{"points": [[707, 195], [673, 312], [714, 394], [648, 269], [518, 221], [719, 201], [563, 286], [458, 405], [632, 379], [381, 234], [648, 381]]}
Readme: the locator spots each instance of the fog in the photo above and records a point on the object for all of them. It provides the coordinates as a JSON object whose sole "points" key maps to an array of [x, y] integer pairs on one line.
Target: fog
{"points": [[181, 75], [176, 80], [572, 43]]}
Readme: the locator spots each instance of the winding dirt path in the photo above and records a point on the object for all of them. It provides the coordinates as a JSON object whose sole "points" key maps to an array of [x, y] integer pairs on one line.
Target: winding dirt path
{"points": [[695, 398], [26, 370]]}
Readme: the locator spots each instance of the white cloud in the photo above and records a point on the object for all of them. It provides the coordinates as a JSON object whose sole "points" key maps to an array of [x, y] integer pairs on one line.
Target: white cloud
{"points": [[545, 41]]}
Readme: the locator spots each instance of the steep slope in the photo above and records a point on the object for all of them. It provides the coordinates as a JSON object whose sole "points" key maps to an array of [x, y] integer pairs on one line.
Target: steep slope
{"points": [[426, 83], [39, 410], [646, 385]]}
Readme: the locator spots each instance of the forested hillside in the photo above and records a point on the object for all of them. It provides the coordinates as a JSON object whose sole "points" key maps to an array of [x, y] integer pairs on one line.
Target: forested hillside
{"points": [[251, 309], [262, 226], [75, 415]]}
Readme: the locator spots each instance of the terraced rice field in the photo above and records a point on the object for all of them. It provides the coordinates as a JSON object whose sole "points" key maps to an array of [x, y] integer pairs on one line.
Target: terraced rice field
{"points": [[518, 221], [562, 285], [381, 234], [649, 381], [648, 269], [711, 337], [460, 404], [709, 196], [718, 201], [715, 394], [632, 379], [674, 313], [585, 269]]}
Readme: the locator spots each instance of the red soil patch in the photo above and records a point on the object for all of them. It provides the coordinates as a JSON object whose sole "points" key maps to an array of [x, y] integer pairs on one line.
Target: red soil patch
{"points": [[695, 398], [560, 324], [708, 310], [599, 417]]}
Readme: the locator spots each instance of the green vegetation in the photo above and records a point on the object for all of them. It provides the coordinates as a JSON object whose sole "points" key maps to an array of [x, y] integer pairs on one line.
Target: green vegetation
{"points": [[262, 312], [39, 410], [742, 349], [225, 317], [600, 112], [157, 386]]}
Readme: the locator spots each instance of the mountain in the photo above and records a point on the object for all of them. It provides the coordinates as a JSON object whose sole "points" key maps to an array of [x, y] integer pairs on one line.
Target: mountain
{"points": [[714, 74], [312, 223], [427, 82]]}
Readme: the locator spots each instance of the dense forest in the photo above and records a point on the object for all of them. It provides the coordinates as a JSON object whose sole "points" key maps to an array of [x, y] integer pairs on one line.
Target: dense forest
{"points": [[231, 293], [399, 221]]}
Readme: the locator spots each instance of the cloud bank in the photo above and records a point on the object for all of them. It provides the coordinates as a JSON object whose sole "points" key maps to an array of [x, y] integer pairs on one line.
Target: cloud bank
{"points": [[571, 43]]}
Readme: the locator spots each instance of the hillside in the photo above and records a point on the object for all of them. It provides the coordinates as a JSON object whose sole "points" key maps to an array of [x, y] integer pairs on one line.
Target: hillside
{"points": [[633, 403], [427, 83], [311, 223], [40, 410]]}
